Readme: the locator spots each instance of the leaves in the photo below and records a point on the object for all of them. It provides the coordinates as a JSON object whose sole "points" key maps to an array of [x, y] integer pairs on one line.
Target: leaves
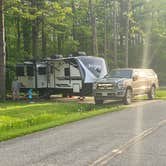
{"points": [[66, 26]]}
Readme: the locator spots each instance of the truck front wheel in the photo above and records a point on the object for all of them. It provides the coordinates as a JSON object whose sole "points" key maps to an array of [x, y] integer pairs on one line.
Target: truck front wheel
{"points": [[128, 97]]}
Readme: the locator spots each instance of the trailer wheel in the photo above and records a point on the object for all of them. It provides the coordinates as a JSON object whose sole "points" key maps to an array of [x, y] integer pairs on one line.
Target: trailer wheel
{"points": [[44, 94], [98, 101], [64, 95]]}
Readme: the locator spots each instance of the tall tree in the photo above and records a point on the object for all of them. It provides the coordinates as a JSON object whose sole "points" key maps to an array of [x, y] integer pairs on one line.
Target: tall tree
{"points": [[115, 34], [94, 28], [35, 26], [2, 55], [127, 34]]}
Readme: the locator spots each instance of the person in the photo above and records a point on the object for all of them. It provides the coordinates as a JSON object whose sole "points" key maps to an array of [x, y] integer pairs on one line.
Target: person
{"points": [[29, 94], [15, 89]]}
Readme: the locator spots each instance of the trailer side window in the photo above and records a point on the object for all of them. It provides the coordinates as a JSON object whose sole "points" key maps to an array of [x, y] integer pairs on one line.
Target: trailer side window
{"points": [[67, 72], [42, 70], [30, 70], [51, 69], [20, 70]]}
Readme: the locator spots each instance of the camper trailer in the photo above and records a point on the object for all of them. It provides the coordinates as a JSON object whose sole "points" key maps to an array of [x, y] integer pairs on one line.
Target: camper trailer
{"points": [[67, 76]]}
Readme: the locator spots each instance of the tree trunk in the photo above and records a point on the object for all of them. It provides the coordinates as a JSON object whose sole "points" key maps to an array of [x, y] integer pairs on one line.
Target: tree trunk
{"points": [[34, 35], [94, 28], [26, 28], [2, 55], [127, 35], [35, 39], [74, 20], [43, 38], [115, 35], [18, 36], [122, 30], [105, 30], [59, 43]]}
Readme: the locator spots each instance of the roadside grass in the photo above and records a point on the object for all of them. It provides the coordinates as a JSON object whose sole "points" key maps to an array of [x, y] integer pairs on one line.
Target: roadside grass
{"points": [[161, 94], [21, 118], [18, 119]]}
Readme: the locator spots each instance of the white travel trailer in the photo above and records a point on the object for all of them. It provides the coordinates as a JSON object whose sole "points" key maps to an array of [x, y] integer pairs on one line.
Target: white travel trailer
{"points": [[67, 76]]}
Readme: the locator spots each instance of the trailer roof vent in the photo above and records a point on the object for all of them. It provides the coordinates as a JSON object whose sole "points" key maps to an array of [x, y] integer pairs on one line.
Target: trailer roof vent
{"points": [[56, 56], [82, 53]]}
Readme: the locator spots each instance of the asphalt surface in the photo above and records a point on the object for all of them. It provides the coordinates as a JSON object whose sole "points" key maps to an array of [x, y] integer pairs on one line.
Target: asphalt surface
{"points": [[132, 137]]}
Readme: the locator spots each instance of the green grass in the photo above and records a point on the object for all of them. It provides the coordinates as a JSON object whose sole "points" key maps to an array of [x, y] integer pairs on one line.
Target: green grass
{"points": [[22, 118], [161, 94], [18, 119]]}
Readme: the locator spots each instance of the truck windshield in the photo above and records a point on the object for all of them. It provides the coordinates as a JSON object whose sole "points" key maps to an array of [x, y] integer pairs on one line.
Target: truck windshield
{"points": [[120, 74]]}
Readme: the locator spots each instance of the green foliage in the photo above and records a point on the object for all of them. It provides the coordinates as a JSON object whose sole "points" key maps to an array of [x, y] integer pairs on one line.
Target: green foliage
{"points": [[161, 94], [70, 46], [64, 27]]}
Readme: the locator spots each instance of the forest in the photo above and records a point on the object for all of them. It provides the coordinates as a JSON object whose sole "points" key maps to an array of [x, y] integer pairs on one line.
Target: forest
{"points": [[126, 33]]}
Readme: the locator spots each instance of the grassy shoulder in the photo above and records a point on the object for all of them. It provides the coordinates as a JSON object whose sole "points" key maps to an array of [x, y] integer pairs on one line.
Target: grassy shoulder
{"points": [[18, 119], [161, 94], [22, 118]]}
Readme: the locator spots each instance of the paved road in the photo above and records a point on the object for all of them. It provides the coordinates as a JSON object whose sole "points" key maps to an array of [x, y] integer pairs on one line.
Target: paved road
{"points": [[133, 137]]}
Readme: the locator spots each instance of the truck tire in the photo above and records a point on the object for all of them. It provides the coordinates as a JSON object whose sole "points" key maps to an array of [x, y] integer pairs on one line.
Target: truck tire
{"points": [[128, 96], [151, 94]]}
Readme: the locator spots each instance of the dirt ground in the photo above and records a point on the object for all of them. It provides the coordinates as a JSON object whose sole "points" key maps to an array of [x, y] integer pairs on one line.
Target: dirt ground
{"points": [[90, 100]]}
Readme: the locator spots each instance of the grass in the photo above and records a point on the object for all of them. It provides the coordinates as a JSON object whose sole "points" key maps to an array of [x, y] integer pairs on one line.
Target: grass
{"points": [[18, 119], [22, 118], [161, 94]]}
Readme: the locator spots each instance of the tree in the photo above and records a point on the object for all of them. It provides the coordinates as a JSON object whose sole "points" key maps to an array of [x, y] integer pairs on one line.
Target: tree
{"points": [[35, 27], [114, 29], [94, 28], [127, 33], [115, 34], [2, 55]]}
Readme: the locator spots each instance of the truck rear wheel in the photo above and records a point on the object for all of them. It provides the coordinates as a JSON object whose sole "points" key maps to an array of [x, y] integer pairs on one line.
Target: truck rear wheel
{"points": [[151, 94]]}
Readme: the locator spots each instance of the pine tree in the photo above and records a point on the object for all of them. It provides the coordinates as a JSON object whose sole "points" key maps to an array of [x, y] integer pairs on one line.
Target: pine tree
{"points": [[2, 55]]}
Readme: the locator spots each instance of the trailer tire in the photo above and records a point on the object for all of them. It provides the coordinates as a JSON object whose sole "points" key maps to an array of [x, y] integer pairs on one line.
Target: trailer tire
{"points": [[64, 94], [98, 101], [44, 94]]}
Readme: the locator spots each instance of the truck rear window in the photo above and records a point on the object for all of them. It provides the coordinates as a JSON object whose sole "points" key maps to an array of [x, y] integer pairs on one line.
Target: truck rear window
{"points": [[121, 74]]}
